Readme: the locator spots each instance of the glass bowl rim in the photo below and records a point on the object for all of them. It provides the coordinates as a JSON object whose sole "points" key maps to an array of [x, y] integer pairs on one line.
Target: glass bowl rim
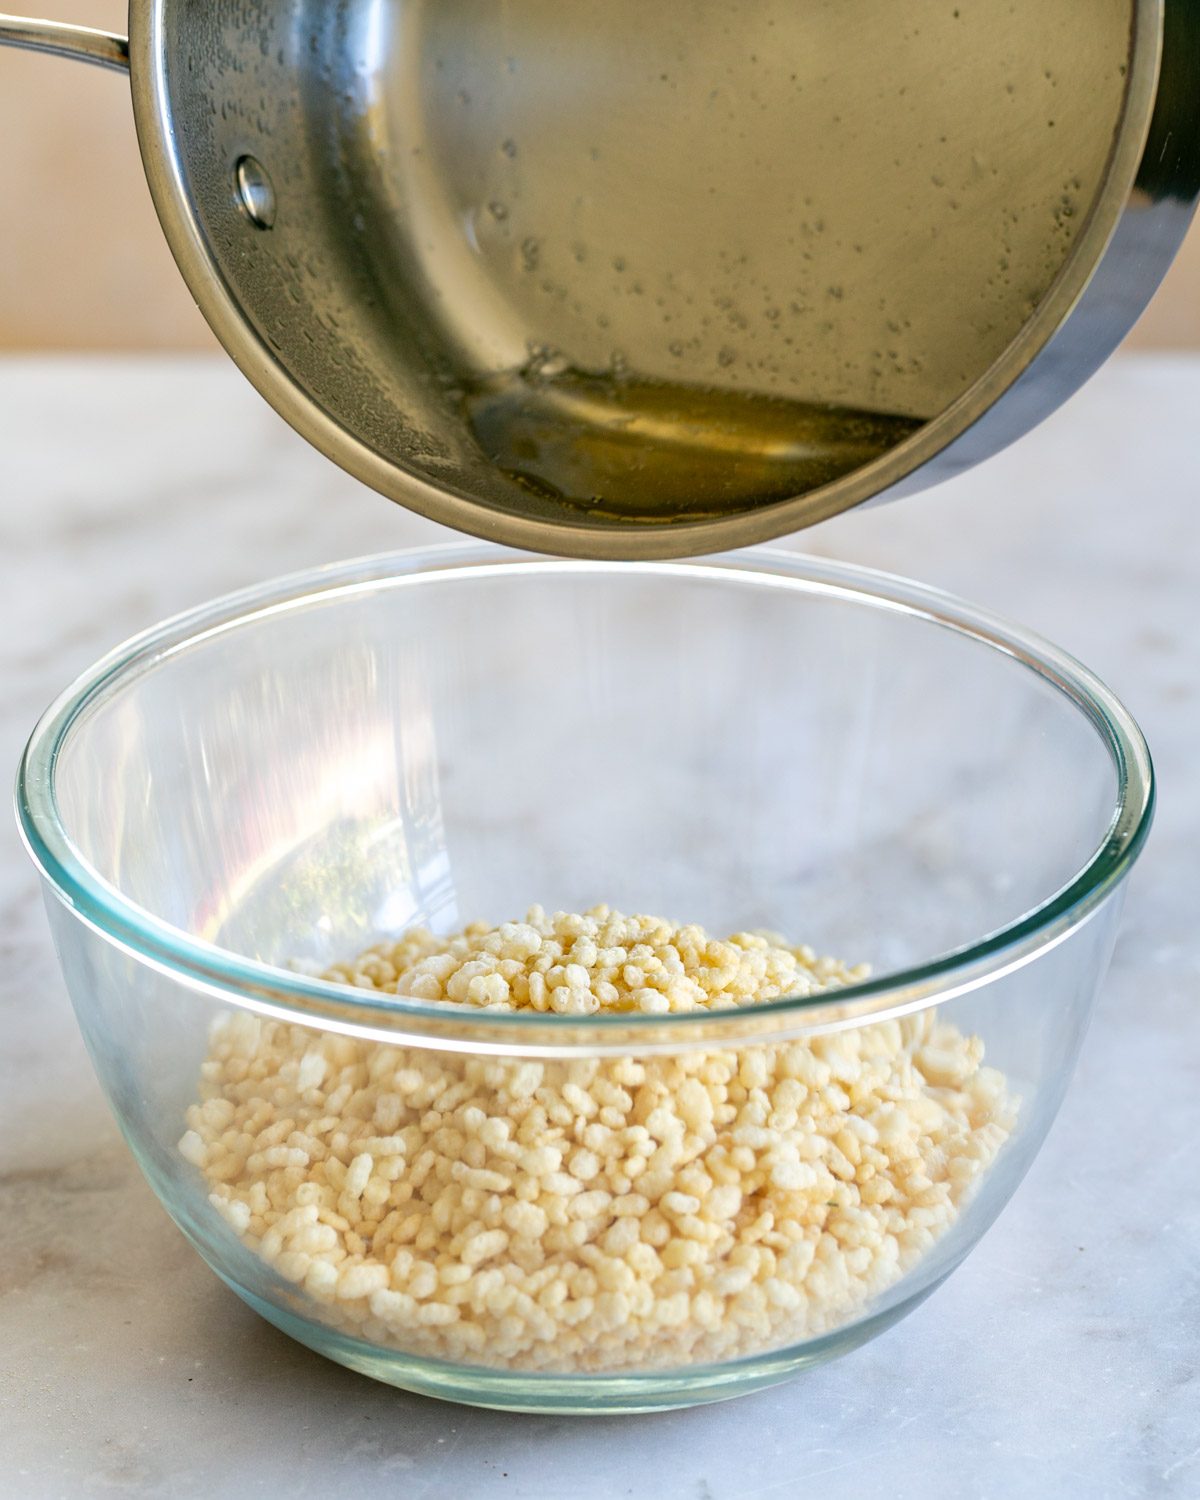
{"points": [[306, 1000]]}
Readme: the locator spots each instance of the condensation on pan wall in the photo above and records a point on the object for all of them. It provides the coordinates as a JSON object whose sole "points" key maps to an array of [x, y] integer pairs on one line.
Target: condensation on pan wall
{"points": [[82, 262]]}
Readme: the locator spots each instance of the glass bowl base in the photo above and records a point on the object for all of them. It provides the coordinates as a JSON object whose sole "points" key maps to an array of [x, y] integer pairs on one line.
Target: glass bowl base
{"points": [[590, 1394]]}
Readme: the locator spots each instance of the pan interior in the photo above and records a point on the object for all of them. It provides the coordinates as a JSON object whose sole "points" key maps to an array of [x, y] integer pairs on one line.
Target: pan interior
{"points": [[617, 264]]}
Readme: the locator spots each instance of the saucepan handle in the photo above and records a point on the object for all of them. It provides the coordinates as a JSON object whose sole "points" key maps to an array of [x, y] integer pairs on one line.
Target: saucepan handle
{"points": [[103, 48]]}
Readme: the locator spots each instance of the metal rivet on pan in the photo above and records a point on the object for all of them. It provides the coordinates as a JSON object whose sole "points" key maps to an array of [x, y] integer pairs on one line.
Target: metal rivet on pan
{"points": [[255, 192]]}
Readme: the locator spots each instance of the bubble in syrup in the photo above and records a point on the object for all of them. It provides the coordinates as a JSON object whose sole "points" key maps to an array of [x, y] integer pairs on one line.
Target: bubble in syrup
{"points": [[530, 253], [498, 210], [509, 147], [545, 362]]}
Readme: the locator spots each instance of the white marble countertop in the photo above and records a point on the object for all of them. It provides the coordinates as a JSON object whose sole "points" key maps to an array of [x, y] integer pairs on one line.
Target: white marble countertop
{"points": [[1062, 1360]]}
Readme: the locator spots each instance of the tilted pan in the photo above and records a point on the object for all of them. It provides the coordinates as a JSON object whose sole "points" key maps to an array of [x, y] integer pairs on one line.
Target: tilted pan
{"points": [[636, 280]]}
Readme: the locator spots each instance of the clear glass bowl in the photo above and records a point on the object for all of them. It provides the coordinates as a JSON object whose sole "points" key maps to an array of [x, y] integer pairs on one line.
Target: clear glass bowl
{"points": [[283, 777]]}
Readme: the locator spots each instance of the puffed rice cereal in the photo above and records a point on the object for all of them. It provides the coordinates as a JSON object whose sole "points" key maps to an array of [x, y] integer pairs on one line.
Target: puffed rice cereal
{"points": [[596, 1214]]}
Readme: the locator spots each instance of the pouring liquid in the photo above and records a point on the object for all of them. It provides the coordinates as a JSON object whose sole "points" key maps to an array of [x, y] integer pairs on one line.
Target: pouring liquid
{"points": [[630, 448]]}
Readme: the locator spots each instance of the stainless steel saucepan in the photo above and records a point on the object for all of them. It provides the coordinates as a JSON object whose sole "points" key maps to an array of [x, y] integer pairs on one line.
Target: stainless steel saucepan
{"points": [[634, 280]]}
